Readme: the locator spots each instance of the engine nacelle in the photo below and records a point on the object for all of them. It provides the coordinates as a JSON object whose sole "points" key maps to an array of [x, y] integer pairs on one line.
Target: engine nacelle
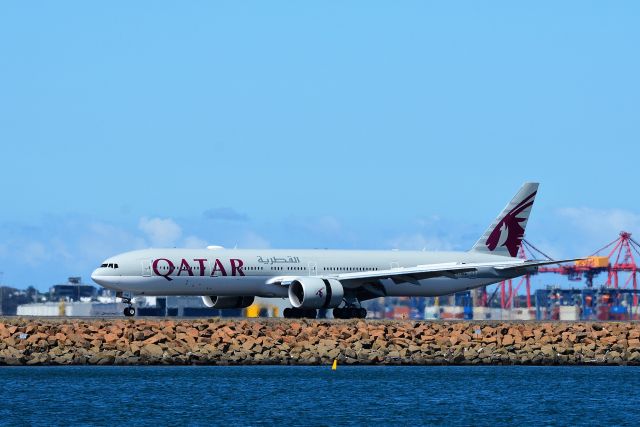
{"points": [[227, 302], [315, 292]]}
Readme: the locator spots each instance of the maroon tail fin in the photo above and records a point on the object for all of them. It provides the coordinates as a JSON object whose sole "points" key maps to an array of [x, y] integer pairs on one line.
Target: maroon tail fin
{"points": [[504, 236]]}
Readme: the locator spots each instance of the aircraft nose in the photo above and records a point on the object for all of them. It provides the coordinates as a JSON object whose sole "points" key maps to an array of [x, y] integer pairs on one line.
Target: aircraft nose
{"points": [[96, 277]]}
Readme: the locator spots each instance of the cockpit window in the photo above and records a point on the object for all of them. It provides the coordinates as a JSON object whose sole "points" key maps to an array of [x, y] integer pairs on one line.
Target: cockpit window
{"points": [[110, 265]]}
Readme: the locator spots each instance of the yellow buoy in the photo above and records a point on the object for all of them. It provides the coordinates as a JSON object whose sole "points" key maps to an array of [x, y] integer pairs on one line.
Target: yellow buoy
{"points": [[335, 365]]}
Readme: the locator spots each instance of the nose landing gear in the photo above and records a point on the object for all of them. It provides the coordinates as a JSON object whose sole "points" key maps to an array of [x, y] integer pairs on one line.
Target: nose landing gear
{"points": [[126, 298]]}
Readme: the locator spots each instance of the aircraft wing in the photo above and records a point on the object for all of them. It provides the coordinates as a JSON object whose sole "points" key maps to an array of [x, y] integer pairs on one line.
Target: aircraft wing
{"points": [[490, 270], [451, 270]]}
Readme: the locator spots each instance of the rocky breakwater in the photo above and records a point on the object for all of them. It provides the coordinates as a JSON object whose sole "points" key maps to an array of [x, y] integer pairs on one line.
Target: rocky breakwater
{"points": [[308, 342]]}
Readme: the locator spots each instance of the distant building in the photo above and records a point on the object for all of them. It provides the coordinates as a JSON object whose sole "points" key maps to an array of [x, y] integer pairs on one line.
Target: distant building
{"points": [[10, 298], [70, 309], [73, 290]]}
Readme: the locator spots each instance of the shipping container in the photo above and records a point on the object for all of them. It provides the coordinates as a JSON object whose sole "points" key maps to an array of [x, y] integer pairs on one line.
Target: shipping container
{"points": [[593, 262]]}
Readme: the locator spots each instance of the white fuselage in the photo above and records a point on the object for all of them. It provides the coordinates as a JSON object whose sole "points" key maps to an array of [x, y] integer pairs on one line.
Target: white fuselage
{"points": [[237, 272]]}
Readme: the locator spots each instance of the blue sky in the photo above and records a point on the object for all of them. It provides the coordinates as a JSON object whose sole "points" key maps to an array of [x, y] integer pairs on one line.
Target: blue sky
{"points": [[299, 124]]}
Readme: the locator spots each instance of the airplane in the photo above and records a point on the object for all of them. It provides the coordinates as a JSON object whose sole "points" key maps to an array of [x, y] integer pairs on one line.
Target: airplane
{"points": [[315, 279]]}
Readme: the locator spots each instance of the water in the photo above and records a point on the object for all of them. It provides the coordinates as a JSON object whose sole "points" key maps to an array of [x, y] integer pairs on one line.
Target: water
{"points": [[285, 395]]}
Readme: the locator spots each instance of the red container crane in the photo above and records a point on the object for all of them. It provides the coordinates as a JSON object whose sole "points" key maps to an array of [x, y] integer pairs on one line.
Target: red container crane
{"points": [[623, 250], [507, 290]]}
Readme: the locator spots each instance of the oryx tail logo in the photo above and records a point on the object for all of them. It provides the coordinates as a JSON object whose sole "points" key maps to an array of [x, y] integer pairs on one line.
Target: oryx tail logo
{"points": [[509, 232]]}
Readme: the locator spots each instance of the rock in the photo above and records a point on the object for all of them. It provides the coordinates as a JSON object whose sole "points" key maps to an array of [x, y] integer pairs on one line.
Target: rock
{"points": [[507, 340], [634, 358], [248, 344], [458, 357], [613, 355], [105, 360], [38, 359], [548, 351], [394, 354], [110, 338], [228, 341], [152, 351], [156, 338], [489, 339]]}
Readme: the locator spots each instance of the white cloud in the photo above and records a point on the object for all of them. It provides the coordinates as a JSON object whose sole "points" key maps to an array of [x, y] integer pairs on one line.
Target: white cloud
{"points": [[194, 242], [59, 247], [324, 225], [251, 240], [34, 253], [418, 241], [602, 224], [98, 240], [328, 224], [161, 232], [226, 214], [429, 221]]}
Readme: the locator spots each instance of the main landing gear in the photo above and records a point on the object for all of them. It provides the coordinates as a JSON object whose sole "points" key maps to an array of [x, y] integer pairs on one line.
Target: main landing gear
{"points": [[300, 313], [349, 313]]}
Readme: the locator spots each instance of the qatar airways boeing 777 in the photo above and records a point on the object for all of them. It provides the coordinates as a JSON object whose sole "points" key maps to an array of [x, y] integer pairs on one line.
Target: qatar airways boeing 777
{"points": [[316, 279]]}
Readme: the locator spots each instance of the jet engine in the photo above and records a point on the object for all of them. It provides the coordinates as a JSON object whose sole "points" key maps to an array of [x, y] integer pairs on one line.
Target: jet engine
{"points": [[315, 292], [227, 302]]}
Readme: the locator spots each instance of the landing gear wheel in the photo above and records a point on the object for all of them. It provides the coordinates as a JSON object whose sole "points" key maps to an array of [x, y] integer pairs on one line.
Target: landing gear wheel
{"points": [[300, 313], [349, 313], [129, 311]]}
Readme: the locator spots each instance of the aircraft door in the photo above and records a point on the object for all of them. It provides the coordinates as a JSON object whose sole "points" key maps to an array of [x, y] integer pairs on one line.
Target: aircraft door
{"points": [[395, 265], [146, 268], [313, 269]]}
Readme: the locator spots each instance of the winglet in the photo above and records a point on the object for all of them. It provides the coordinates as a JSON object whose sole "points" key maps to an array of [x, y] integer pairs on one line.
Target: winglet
{"points": [[504, 235]]}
